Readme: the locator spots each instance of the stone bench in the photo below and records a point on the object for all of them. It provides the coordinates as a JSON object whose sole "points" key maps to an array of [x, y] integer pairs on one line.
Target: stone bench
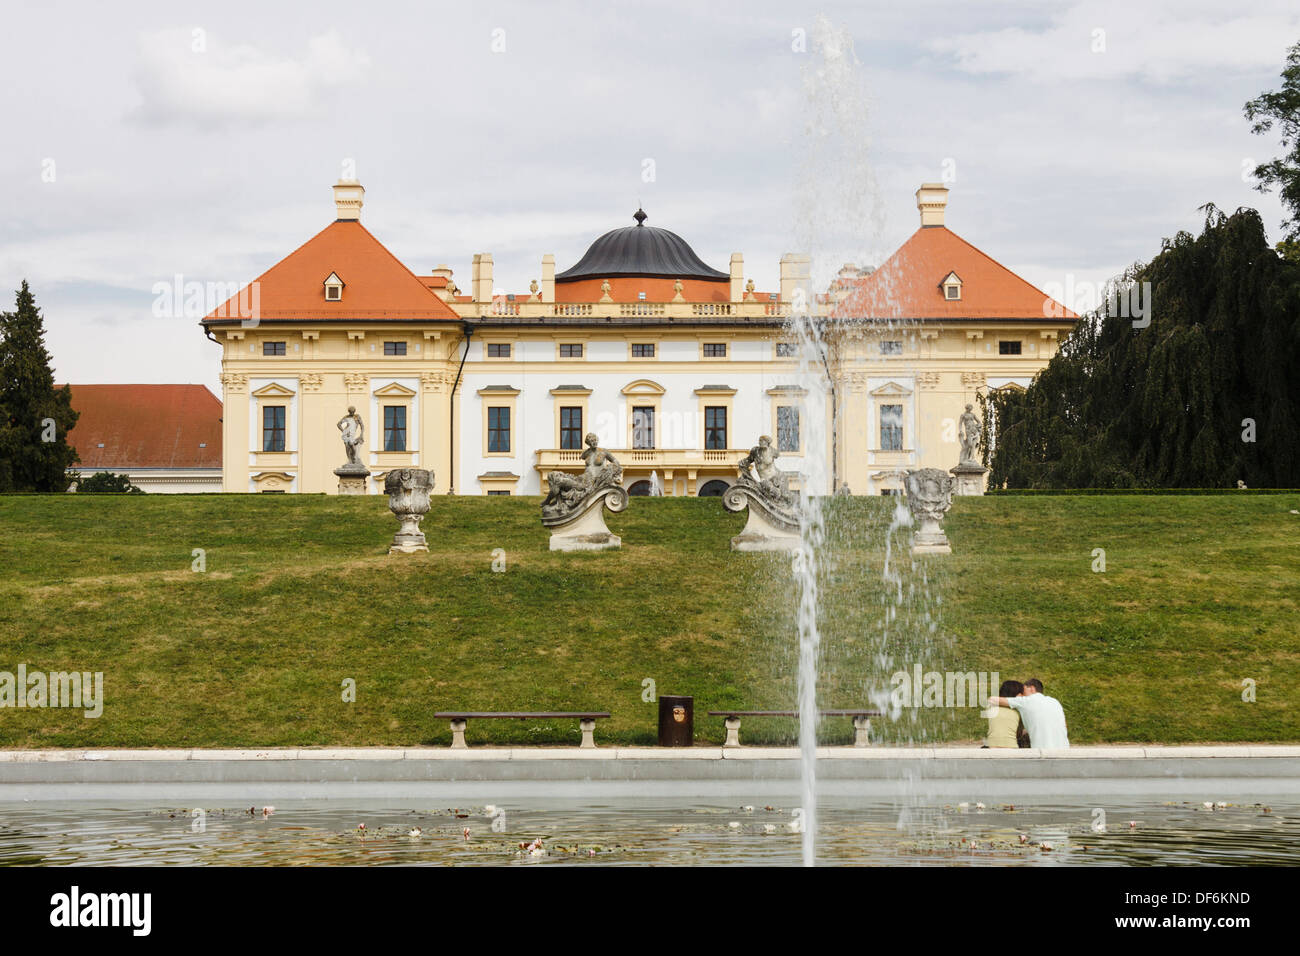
{"points": [[861, 722], [586, 721]]}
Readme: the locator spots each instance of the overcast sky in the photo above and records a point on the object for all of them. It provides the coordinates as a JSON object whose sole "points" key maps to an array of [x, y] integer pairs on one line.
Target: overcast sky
{"points": [[147, 140]]}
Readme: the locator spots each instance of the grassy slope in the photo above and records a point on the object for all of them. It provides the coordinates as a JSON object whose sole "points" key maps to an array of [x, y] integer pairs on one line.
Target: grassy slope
{"points": [[299, 594]]}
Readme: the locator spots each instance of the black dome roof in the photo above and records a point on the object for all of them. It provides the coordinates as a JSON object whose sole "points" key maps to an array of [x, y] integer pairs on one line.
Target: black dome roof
{"points": [[640, 250]]}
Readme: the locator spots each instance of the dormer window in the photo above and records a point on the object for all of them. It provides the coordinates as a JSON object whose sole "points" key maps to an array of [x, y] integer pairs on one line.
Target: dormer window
{"points": [[951, 287], [333, 288]]}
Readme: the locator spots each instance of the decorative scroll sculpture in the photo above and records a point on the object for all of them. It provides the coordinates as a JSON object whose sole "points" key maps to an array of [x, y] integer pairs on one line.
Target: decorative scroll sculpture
{"points": [[574, 506], [408, 498], [969, 473], [929, 496], [352, 476], [764, 489]]}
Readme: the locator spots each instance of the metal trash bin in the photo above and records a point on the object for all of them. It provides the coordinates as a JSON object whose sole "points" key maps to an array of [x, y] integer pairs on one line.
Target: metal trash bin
{"points": [[676, 721]]}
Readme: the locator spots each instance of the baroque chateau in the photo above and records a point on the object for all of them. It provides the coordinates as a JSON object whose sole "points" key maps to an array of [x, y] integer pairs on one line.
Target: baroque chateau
{"points": [[677, 366]]}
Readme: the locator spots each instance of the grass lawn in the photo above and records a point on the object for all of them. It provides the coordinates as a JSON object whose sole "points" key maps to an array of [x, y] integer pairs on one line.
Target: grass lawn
{"points": [[299, 595]]}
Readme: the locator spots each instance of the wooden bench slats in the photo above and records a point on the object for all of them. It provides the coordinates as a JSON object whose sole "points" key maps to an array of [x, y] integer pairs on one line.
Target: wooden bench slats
{"points": [[521, 715]]}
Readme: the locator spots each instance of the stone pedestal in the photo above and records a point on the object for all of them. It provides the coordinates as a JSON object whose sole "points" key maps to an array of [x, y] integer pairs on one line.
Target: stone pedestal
{"points": [[408, 498], [759, 534], [969, 478], [769, 527], [585, 530], [352, 479]]}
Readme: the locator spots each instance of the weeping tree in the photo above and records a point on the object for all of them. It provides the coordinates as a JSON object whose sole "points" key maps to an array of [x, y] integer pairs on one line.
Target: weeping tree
{"points": [[1203, 396]]}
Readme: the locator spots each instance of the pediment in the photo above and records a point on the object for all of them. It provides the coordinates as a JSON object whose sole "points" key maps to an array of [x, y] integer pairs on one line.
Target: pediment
{"points": [[394, 390], [643, 386], [274, 390], [891, 388]]}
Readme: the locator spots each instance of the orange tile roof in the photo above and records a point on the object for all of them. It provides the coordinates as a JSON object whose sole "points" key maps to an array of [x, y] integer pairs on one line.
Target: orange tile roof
{"points": [[375, 283], [907, 285], [146, 426]]}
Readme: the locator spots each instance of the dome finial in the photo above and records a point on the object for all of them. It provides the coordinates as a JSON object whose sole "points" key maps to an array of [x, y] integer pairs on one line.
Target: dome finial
{"points": [[640, 216]]}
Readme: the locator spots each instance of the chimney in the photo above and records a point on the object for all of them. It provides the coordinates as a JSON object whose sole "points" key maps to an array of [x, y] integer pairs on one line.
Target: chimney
{"points": [[931, 199], [548, 278], [348, 194], [794, 275], [737, 277], [481, 277]]}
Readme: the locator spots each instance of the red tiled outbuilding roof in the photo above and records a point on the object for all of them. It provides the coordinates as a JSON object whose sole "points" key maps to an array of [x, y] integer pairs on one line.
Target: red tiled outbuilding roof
{"points": [[909, 285], [146, 426]]}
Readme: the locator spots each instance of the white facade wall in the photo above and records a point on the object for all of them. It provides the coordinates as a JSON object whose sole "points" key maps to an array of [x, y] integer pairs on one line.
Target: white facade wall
{"points": [[679, 420]]}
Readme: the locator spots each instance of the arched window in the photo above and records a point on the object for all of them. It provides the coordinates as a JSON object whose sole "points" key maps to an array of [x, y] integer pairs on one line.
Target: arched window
{"points": [[639, 488], [712, 489]]}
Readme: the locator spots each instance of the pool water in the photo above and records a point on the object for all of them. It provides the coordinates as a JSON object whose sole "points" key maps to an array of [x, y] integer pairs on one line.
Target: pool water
{"points": [[1181, 832]]}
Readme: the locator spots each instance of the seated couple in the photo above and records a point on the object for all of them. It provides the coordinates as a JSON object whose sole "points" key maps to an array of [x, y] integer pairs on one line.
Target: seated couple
{"points": [[1026, 717]]}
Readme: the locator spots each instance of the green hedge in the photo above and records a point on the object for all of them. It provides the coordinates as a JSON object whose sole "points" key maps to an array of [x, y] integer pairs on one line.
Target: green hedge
{"points": [[1143, 491]]}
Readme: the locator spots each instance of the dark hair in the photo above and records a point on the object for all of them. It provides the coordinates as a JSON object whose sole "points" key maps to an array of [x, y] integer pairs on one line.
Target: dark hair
{"points": [[1035, 683], [1011, 688]]}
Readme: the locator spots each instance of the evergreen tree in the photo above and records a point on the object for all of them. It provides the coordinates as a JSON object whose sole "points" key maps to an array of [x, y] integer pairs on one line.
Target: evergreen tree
{"points": [[1204, 396], [34, 416]]}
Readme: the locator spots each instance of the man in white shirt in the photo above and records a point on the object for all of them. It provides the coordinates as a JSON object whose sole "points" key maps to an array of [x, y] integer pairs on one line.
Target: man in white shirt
{"points": [[1043, 716]]}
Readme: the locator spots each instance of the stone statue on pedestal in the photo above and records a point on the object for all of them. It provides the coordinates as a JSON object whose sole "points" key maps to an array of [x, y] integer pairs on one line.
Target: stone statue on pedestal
{"points": [[764, 490], [352, 475], [573, 504], [969, 432], [969, 473]]}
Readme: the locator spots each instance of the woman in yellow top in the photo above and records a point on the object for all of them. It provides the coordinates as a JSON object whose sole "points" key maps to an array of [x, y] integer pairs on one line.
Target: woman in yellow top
{"points": [[1005, 724]]}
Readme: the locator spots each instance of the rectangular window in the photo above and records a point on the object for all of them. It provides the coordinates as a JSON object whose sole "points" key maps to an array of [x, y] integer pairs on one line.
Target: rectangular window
{"points": [[891, 347], [394, 428], [715, 349], [952, 291], [643, 350], [272, 428], [787, 350], [273, 348], [394, 348], [787, 428], [1008, 348], [715, 426], [499, 429], [570, 350], [891, 427], [643, 427], [570, 428], [498, 350], [498, 494]]}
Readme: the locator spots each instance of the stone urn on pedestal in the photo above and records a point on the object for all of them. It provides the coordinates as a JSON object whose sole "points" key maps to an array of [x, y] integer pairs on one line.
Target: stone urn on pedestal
{"points": [[408, 492], [929, 496], [764, 490], [575, 505]]}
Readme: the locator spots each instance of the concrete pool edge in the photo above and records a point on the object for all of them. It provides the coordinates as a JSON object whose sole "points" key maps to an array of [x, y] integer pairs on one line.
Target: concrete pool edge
{"points": [[74, 774]]}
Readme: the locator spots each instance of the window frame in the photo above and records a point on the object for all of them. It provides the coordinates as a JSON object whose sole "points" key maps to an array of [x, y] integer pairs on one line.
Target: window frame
{"points": [[888, 430], [498, 430], [278, 349], [395, 431], [269, 433]]}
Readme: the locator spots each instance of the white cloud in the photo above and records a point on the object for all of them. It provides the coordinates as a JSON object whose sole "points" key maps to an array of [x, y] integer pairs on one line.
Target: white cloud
{"points": [[188, 76], [1118, 40]]}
